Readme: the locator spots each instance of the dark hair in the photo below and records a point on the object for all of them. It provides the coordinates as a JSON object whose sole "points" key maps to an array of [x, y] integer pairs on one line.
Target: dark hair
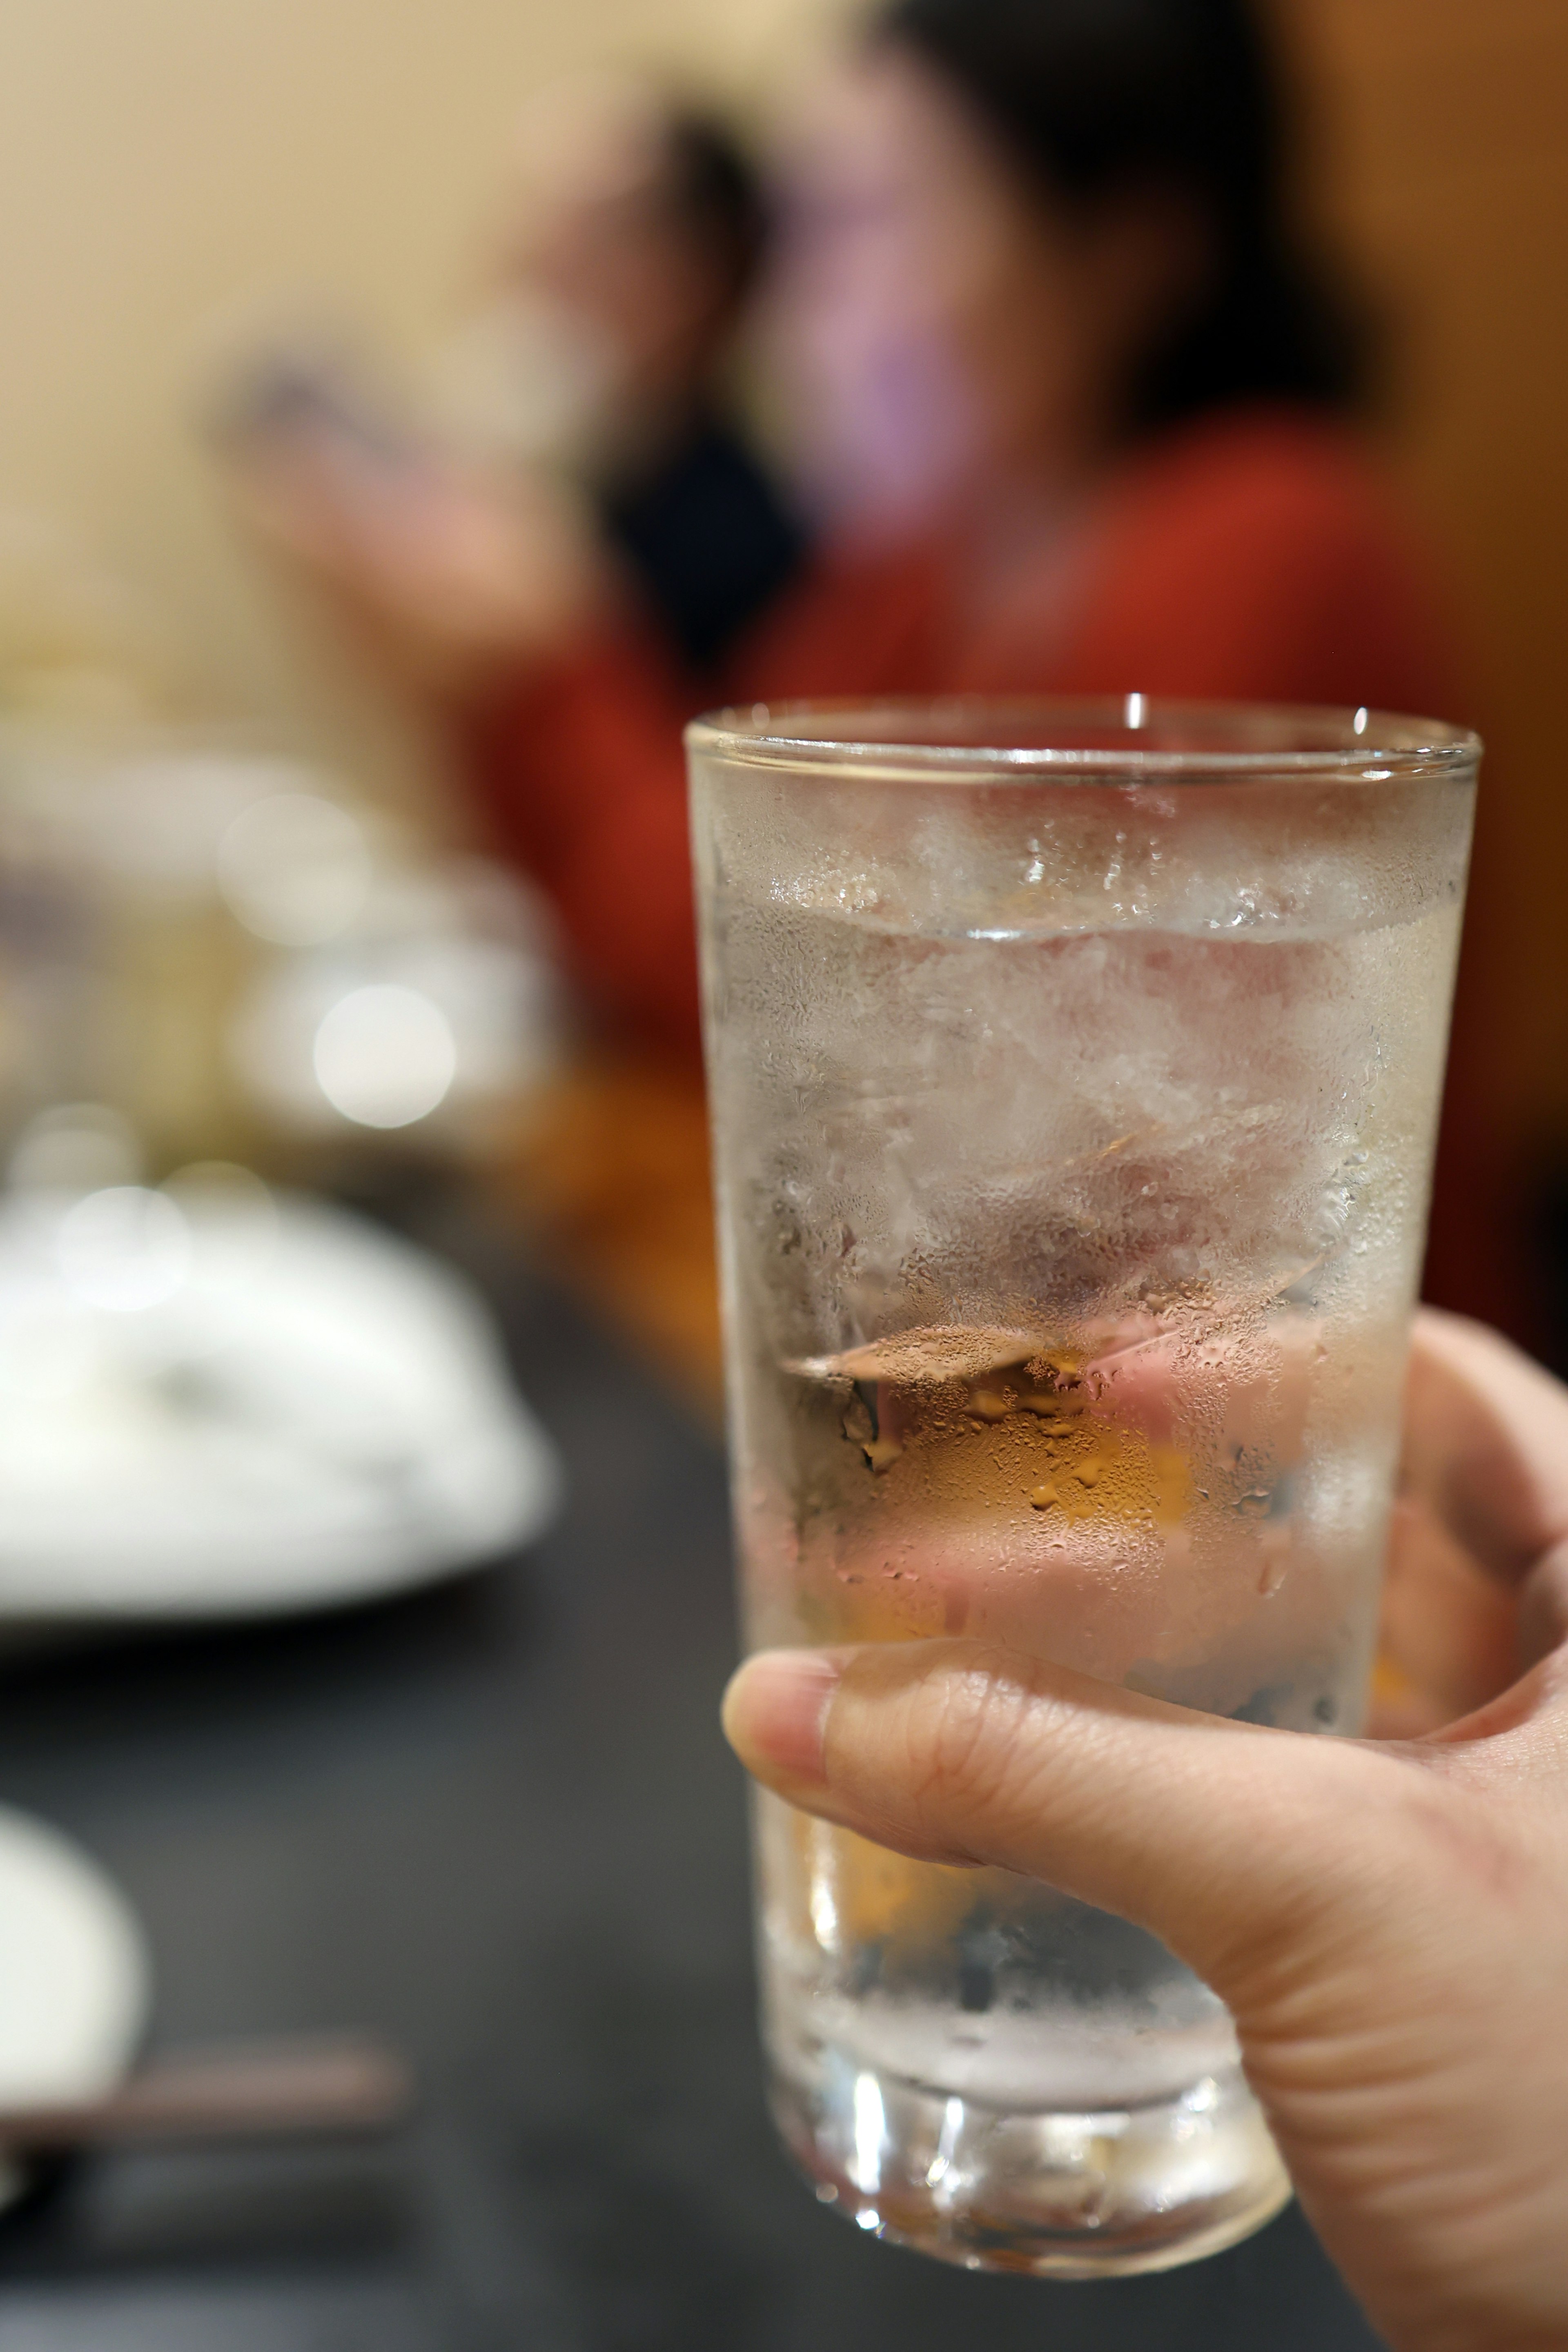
{"points": [[1096, 97], [716, 195]]}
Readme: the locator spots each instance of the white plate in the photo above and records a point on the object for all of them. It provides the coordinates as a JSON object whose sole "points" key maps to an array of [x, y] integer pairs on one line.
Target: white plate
{"points": [[75, 1984], [227, 1405]]}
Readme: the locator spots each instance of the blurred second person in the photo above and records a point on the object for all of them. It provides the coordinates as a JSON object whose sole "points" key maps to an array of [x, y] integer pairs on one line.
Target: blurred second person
{"points": [[1073, 412]]}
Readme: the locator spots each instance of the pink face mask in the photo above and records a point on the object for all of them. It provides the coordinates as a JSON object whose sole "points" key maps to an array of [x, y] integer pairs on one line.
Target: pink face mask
{"points": [[888, 431], [886, 428]]}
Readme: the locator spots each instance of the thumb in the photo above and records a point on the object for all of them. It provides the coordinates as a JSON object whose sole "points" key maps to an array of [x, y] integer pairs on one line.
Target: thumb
{"points": [[1245, 1849]]}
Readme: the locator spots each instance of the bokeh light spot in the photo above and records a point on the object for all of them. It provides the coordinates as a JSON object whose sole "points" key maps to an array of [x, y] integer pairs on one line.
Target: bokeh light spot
{"points": [[386, 1057], [294, 869]]}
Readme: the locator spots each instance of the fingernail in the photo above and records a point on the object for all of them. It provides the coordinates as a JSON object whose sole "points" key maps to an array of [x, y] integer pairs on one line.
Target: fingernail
{"points": [[775, 1711]]}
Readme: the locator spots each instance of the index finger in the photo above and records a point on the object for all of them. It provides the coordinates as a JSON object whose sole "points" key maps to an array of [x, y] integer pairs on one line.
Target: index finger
{"points": [[1486, 1444]]}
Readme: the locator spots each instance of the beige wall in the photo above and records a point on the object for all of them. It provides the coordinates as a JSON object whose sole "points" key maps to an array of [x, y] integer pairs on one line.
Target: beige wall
{"points": [[164, 163]]}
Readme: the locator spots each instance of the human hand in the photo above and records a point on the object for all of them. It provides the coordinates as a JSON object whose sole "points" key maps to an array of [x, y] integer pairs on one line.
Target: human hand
{"points": [[1388, 1919], [444, 575]]}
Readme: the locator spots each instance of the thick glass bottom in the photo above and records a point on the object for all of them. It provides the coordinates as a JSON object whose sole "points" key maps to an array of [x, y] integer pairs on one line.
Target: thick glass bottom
{"points": [[1055, 2195]]}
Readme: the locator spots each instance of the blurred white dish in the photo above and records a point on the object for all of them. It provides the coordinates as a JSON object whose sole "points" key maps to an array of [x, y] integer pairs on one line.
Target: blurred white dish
{"points": [[215, 1403], [75, 1984]]}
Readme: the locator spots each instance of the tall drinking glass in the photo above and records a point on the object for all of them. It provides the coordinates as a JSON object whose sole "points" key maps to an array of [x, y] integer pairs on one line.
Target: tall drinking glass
{"points": [[1074, 1072]]}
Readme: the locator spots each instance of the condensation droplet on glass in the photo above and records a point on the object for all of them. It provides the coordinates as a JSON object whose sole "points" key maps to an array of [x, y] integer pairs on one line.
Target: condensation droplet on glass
{"points": [[857, 1424], [989, 1404], [1276, 1550]]}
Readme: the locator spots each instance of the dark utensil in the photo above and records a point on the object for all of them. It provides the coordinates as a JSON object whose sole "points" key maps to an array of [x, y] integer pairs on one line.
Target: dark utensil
{"points": [[267, 2090]]}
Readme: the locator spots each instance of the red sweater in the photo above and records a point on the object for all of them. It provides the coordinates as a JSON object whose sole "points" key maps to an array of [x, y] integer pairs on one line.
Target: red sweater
{"points": [[1252, 556]]}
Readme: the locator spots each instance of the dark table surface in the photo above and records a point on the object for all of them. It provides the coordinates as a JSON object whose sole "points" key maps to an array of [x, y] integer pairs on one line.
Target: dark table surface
{"points": [[499, 1824]]}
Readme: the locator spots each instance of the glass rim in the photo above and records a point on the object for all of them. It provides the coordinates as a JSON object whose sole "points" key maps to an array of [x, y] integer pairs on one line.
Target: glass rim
{"points": [[891, 736]]}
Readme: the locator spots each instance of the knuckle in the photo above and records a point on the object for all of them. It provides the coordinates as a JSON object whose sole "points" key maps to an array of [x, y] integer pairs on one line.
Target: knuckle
{"points": [[967, 1756]]}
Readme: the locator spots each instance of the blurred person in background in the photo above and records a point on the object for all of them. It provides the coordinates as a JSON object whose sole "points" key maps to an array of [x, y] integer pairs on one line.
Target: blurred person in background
{"points": [[584, 435], [581, 451], [1072, 408]]}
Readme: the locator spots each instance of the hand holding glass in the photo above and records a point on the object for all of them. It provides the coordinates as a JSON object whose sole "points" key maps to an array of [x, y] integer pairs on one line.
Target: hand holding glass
{"points": [[1074, 1073]]}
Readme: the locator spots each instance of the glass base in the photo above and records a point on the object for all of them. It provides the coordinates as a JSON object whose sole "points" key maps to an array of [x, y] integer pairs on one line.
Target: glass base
{"points": [[1053, 2195]]}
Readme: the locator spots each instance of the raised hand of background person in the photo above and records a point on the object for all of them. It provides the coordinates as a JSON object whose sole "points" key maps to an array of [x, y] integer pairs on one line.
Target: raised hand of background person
{"points": [[445, 575], [1387, 1919]]}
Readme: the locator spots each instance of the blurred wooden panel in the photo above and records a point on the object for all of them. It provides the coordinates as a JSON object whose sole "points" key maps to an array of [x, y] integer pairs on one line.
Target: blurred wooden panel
{"points": [[610, 1174], [1442, 138], [1444, 77]]}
